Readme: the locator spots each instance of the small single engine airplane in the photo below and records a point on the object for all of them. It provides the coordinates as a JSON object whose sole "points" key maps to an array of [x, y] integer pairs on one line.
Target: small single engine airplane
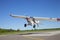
{"points": [[33, 21]]}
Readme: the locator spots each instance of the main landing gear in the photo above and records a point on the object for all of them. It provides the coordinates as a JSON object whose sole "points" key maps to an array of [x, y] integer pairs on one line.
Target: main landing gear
{"points": [[34, 26], [25, 25]]}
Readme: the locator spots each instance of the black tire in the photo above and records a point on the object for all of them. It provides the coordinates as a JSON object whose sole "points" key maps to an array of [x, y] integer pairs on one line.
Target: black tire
{"points": [[25, 25], [34, 26]]}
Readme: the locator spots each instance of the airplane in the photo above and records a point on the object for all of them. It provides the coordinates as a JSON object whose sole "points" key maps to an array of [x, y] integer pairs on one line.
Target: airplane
{"points": [[33, 21]]}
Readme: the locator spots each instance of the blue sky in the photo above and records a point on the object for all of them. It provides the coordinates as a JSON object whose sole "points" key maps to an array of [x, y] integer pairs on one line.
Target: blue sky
{"points": [[39, 8]]}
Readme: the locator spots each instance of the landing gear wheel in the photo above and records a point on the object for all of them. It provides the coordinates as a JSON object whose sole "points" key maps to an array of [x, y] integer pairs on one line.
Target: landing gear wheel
{"points": [[25, 25], [34, 26]]}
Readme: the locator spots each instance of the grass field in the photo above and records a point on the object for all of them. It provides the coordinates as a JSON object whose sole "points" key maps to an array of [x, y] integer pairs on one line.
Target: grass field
{"points": [[10, 31]]}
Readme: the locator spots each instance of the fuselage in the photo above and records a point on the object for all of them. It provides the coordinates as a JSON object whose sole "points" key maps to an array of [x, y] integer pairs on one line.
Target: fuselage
{"points": [[31, 21]]}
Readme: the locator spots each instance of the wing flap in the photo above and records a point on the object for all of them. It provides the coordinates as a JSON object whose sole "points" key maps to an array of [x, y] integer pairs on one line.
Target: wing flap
{"points": [[36, 18]]}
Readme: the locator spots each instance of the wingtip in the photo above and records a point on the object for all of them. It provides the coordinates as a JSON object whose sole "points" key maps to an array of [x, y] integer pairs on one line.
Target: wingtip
{"points": [[58, 19], [10, 14]]}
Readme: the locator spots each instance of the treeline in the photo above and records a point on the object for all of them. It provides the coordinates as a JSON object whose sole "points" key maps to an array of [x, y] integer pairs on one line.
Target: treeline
{"points": [[52, 29], [44, 29], [7, 30], [18, 30]]}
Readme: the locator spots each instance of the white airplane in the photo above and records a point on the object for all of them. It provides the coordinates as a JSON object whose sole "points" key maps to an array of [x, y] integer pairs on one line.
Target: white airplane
{"points": [[33, 21]]}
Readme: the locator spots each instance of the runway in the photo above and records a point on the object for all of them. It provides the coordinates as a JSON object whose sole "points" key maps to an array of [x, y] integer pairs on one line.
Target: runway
{"points": [[54, 35]]}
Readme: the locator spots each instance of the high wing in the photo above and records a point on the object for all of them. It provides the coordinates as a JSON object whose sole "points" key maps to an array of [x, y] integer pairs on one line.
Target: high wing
{"points": [[18, 16], [45, 18], [36, 18]]}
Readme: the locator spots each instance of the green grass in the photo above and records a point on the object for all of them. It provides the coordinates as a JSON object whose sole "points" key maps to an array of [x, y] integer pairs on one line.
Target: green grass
{"points": [[10, 31]]}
